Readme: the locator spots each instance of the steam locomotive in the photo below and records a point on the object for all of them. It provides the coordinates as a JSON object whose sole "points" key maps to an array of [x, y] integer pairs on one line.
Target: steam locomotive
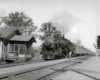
{"points": [[53, 48]]}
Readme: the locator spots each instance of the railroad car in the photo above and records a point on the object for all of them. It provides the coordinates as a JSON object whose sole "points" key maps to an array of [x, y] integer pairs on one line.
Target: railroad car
{"points": [[80, 50]]}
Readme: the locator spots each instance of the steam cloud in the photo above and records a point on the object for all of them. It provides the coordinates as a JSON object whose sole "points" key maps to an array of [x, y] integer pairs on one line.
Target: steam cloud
{"points": [[64, 19]]}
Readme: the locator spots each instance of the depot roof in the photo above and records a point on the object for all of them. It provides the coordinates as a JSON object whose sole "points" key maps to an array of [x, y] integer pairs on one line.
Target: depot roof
{"points": [[5, 32], [22, 38]]}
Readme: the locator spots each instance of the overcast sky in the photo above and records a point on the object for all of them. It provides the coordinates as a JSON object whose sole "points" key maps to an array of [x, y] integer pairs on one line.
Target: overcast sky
{"points": [[79, 16]]}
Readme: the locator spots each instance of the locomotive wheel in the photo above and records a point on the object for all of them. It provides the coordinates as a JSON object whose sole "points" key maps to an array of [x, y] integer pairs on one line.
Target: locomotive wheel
{"points": [[44, 57], [51, 57]]}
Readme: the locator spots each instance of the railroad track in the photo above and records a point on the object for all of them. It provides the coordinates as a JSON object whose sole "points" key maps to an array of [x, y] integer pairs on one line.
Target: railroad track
{"points": [[58, 72], [45, 72], [4, 65]]}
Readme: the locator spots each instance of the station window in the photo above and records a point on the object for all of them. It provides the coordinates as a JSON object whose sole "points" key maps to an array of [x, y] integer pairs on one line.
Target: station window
{"points": [[22, 49], [11, 47]]}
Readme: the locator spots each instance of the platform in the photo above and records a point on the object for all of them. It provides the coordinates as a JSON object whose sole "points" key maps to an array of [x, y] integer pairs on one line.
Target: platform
{"points": [[88, 70], [8, 71]]}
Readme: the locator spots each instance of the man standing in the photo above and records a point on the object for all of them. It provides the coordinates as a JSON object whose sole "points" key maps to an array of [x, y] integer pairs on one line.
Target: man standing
{"points": [[70, 53]]}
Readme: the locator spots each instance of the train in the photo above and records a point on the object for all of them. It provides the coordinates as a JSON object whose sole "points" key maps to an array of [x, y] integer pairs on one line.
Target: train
{"points": [[53, 48], [81, 51]]}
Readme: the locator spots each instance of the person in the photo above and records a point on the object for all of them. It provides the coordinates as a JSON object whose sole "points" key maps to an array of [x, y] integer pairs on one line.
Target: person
{"points": [[70, 53]]}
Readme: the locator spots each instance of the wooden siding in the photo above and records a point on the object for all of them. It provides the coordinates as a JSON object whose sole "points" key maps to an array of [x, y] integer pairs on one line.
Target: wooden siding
{"points": [[29, 52]]}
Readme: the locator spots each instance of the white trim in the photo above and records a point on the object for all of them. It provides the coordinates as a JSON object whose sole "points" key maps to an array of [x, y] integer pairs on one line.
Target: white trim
{"points": [[19, 45], [1, 49], [3, 52], [18, 48], [25, 51]]}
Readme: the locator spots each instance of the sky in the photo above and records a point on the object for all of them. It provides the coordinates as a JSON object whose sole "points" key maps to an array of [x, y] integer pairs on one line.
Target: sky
{"points": [[80, 18]]}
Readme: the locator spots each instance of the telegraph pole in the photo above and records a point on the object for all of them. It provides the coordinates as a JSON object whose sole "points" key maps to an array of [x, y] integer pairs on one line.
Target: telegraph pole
{"points": [[97, 31]]}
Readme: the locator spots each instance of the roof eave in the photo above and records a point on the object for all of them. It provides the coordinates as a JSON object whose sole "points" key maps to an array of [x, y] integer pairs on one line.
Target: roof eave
{"points": [[14, 31], [33, 40]]}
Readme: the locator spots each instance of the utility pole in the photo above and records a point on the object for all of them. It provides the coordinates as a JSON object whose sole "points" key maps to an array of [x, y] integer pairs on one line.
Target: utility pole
{"points": [[96, 31], [96, 46]]}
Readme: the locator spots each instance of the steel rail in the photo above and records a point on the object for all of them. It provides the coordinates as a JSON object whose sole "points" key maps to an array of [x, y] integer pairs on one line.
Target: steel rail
{"points": [[42, 67]]}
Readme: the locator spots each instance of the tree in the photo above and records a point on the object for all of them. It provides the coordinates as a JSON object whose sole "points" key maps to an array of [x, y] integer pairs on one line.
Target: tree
{"points": [[48, 29], [2, 14], [57, 34], [20, 20], [1, 20]]}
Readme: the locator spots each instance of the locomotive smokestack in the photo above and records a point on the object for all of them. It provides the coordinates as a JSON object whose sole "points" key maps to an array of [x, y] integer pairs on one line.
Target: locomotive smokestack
{"points": [[63, 32], [47, 27]]}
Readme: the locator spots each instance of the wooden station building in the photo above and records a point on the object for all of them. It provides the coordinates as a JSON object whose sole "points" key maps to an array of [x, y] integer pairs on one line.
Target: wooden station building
{"points": [[13, 45]]}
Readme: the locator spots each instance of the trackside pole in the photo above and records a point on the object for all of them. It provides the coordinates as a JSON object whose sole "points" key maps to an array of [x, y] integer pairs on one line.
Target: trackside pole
{"points": [[96, 57], [97, 54]]}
